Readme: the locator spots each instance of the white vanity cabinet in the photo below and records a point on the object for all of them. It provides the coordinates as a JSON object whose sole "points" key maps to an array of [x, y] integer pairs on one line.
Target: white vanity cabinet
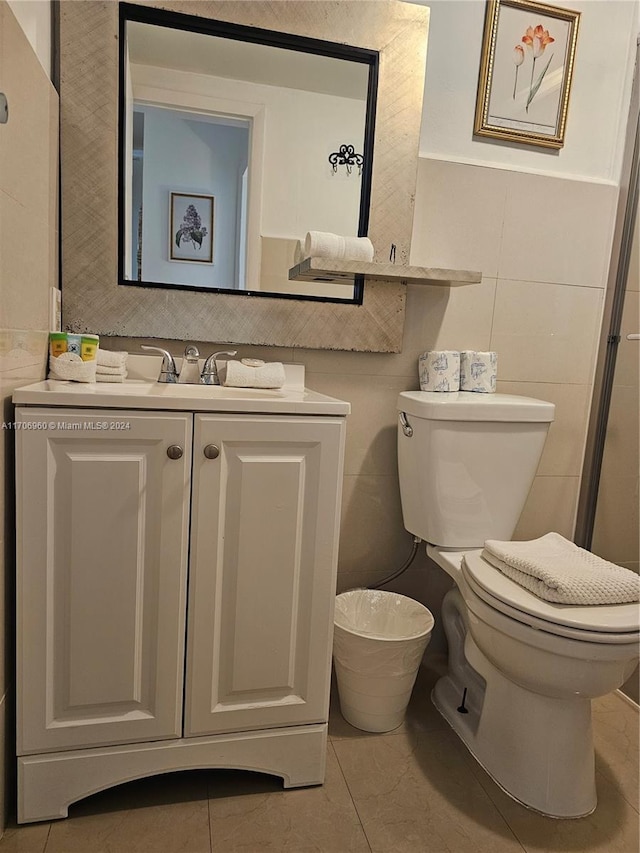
{"points": [[176, 582]]}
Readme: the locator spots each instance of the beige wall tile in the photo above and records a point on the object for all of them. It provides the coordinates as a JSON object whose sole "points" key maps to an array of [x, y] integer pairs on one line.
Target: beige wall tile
{"points": [[546, 332], [557, 230], [628, 356], [616, 533], [551, 505], [25, 153], [622, 442], [458, 216], [563, 450], [633, 280], [436, 317], [373, 541], [372, 424], [27, 270]]}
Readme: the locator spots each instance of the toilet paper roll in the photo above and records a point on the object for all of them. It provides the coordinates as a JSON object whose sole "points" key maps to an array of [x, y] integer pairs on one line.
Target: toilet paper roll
{"points": [[478, 371], [439, 370]]}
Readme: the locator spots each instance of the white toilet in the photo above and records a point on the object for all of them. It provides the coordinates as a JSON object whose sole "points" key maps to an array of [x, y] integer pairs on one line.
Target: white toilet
{"points": [[522, 671]]}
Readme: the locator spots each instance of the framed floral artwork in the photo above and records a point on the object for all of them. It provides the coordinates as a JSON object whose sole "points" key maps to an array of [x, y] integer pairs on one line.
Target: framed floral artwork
{"points": [[191, 227], [525, 72]]}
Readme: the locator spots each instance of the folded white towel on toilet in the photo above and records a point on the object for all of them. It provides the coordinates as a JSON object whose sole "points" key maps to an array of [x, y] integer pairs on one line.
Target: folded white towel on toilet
{"points": [[555, 569]]}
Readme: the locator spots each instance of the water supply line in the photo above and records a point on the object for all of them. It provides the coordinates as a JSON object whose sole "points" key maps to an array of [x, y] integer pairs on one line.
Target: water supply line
{"points": [[416, 542]]}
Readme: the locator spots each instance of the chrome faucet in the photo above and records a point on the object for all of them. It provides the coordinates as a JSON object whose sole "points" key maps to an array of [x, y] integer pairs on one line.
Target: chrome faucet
{"points": [[210, 370], [168, 372], [189, 369]]}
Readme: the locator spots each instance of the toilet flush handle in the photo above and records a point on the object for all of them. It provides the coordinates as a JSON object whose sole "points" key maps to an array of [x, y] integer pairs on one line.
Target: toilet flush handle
{"points": [[407, 429]]}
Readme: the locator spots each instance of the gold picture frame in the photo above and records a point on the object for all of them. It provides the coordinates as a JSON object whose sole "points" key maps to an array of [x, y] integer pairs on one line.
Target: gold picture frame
{"points": [[526, 69]]}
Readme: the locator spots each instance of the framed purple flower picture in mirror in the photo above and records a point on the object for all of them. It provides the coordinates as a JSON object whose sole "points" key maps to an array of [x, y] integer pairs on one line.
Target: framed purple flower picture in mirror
{"points": [[191, 227], [525, 72]]}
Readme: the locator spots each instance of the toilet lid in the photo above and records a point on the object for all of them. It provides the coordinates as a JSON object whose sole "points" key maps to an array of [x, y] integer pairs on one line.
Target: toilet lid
{"points": [[608, 623]]}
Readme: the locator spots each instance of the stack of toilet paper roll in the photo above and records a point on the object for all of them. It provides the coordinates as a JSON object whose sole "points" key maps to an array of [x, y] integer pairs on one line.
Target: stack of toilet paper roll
{"points": [[439, 370], [323, 244], [478, 371], [450, 370]]}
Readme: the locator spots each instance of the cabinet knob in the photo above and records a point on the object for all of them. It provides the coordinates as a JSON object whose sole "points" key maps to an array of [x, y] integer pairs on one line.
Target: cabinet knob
{"points": [[212, 451], [174, 451]]}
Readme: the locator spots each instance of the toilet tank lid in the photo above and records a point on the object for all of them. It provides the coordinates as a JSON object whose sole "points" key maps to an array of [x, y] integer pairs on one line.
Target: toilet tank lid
{"points": [[474, 406]]}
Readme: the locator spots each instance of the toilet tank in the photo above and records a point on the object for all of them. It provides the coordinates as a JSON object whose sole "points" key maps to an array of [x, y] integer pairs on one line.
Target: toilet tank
{"points": [[466, 469]]}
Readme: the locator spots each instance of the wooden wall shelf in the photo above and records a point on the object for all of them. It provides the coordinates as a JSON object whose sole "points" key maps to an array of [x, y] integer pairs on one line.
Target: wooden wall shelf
{"points": [[343, 272]]}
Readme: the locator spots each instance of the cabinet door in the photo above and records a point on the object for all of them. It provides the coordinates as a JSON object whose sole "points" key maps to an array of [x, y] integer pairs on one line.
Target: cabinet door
{"points": [[264, 544], [102, 527]]}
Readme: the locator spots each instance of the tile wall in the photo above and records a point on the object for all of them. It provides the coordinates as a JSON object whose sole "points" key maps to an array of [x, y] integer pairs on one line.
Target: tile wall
{"points": [[543, 246], [28, 240]]}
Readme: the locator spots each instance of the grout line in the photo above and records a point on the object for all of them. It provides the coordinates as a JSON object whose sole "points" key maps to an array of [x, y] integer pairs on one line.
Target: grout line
{"points": [[209, 815], [353, 802], [46, 843]]}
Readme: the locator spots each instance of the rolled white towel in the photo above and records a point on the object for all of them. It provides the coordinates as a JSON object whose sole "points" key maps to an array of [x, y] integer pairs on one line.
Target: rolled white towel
{"points": [[109, 358], [555, 569], [298, 255], [68, 366], [323, 244], [358, 249], [269, 375]]}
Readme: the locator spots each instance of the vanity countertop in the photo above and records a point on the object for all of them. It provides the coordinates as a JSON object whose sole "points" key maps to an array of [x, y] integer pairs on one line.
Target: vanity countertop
{"points": [[142, 394]]}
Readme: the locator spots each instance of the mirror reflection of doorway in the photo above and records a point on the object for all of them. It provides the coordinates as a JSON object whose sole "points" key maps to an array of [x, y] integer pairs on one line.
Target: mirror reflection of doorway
{"points": [[181, 152]]}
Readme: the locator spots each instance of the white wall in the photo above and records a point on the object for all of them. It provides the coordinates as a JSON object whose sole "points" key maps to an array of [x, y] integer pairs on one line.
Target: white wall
{"points": [[300, 193], [186, 155], [597, 107]]}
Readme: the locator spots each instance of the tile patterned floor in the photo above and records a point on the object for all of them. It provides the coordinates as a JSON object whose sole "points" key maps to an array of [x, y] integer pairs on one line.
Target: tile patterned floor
{"points": [[415, 789]]}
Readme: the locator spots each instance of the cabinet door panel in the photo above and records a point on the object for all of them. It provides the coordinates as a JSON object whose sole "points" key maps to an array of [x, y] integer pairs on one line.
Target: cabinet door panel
{"points": [[262, 583], [102, 520]]}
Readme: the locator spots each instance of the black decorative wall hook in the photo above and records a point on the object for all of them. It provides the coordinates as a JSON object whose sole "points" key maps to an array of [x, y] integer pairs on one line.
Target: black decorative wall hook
{"points": [[346, 156]]}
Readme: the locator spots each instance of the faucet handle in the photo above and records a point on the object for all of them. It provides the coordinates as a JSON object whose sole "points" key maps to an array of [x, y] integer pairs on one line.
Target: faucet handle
{"points": [[210, 370], [168, 372]]}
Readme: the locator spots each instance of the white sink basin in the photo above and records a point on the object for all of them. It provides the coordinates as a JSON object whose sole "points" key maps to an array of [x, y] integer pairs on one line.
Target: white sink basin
{"points": [[142, 394]]}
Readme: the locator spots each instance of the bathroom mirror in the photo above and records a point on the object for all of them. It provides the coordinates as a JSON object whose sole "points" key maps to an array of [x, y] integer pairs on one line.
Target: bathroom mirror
{"points": [[93, 299], [232, 149]]}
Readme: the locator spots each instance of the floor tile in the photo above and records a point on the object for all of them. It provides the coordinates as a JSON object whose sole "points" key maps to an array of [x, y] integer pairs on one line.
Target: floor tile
{"points": [[615, 734], [30, 838], [163, 814], [612, 828], [252, 813], [414, 792]]}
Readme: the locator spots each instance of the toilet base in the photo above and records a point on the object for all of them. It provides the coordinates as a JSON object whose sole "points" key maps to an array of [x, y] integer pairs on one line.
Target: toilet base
{"points": [[538, 749]]}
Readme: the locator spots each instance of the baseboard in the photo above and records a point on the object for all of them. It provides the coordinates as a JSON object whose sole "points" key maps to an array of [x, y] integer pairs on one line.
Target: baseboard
{"points": [[628, 699]]}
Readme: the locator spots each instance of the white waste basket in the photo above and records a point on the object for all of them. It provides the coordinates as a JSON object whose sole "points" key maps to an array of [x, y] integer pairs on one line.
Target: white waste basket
{"points": [[378, 644]]}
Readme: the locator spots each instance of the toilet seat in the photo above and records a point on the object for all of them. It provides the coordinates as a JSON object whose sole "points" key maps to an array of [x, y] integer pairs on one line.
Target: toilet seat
{"points": [[606, 623]]}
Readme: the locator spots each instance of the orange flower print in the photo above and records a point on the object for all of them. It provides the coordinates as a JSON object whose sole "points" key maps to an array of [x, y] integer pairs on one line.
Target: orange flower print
{"points": [[536, 39], [518, 59]]}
